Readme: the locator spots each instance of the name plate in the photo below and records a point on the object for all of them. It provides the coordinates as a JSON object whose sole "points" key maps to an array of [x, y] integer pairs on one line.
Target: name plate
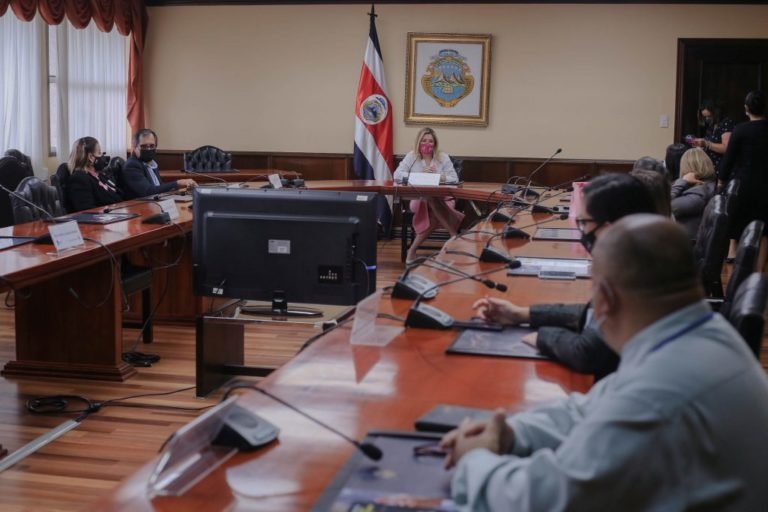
{"points": [[274, 179], [424, 179], [65, 235], [169, 207]]}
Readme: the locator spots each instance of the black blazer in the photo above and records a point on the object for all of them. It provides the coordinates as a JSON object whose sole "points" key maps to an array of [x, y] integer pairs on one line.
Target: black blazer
{"points": [[84, 192], [134, 180], [563, 336]]}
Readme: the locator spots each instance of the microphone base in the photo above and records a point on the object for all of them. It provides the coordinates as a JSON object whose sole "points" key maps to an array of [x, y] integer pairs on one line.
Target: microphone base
{"points": [[157, 218], [499, 216], [413, 286], [425, 316], [510, 232], [509, 188], [537, 208], [493, 255]]}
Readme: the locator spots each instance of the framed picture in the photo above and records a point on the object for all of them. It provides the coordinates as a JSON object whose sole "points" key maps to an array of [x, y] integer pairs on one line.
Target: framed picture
{"points": [[447, 79]]}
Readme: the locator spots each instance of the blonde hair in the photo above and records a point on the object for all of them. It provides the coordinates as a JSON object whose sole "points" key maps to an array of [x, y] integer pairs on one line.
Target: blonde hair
{"points": [[78, 157], [420, 135], [695, 160]]}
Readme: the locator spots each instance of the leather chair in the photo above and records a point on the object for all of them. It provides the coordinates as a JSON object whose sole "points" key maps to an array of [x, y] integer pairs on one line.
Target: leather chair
{"points": [[37, 192], [711, 246], [115, 169], [744, 263], [208, 159], [12, 172], [407, 233], [59, 181], [747, 314], [731, 195], [23, 159]]}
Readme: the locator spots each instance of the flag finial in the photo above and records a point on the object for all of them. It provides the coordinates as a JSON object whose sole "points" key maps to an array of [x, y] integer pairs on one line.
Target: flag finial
{"points": [[373, 14]]}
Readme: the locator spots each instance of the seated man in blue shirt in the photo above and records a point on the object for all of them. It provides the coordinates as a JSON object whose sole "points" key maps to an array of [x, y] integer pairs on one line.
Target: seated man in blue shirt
{"points": [[681, 425], [140, 176]]}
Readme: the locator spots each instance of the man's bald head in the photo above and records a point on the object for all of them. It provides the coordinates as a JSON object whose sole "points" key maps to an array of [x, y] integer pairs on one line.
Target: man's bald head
{"points": [[649, 256]]}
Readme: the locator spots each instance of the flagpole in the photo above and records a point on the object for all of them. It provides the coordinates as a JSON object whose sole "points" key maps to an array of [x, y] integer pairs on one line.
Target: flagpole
{"points": [[373, 14]]}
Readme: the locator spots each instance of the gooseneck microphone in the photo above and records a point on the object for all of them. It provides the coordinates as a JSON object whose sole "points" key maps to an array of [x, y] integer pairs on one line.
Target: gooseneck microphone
{"points": [[213, 178], [512, 232], [451, 270], [48, 216], [410, 286], [370, 450], [526, 191], [429, 317]]}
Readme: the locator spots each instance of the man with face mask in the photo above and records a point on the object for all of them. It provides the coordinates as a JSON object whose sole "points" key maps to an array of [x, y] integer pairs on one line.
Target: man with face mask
{"points": [[140, 176], [681, 425], [566, 332]]}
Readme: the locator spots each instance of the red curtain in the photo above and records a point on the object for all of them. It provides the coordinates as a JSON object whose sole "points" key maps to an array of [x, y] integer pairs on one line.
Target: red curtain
{"points": [[130, 18]]}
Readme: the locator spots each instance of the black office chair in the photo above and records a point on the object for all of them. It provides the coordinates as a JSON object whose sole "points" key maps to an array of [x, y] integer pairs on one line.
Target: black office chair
{"points": [[23, 159], [731, 194], [407, 233], [39, 193], [208, 159], [744, 263], [12, 172], [135, 279], [59, 180], [711, 246], [114, 169], [747, 314]]}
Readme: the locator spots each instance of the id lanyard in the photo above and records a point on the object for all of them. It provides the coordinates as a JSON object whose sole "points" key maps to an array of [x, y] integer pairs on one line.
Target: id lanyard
{"points": [[685, 330]]}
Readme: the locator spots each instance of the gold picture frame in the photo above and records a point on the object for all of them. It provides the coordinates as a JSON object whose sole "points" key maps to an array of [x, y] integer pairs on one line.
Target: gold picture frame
{"points": [[447, 79]]}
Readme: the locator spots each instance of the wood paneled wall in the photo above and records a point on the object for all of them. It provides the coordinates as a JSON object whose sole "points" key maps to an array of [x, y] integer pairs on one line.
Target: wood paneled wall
{"points": [[336, 166]]}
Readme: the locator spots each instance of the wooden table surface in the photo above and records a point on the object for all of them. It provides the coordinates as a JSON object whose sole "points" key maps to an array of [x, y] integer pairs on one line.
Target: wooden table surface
{"points": [[80, 293], [357, 389]]}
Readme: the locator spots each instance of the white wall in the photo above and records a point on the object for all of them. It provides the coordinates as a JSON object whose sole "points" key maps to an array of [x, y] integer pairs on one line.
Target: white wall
{"points": [[592, 79]]}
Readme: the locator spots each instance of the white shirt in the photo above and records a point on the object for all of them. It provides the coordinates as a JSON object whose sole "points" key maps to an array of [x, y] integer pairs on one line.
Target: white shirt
{"points": [[681, 426], [411, 164]]}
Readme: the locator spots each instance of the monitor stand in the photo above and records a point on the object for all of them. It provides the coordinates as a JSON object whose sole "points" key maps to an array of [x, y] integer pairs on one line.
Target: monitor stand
{"points": [[280, 308]]}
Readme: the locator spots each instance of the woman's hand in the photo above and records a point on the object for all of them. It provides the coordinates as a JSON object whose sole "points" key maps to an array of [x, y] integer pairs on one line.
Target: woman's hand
{"points": [[691, 178]]}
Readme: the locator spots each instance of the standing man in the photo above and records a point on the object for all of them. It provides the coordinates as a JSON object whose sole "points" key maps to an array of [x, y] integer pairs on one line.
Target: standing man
{"points": [[140, 176], [681, 425]]}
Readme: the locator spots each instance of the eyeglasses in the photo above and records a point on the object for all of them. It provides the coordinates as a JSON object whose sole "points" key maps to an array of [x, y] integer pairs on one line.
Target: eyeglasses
{"points": [[148, 146], [581, 222]]}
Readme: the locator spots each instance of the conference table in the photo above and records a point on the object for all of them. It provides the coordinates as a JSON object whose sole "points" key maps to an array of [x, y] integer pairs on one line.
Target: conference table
{"points": [[358, 389], [69, 308]]}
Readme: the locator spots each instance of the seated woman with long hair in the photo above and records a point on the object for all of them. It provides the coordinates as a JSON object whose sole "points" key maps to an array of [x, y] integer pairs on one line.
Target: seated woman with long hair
{"points": [[433, 212], [87, 186]]}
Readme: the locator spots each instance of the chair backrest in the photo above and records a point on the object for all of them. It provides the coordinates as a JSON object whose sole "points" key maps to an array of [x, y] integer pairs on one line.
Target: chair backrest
{"points": [[208, 159], [60, 180], [744, 263], [731, 195], [458, 165], [11, 174], [39, 193], [712, 245], [115, 169], [25, 161], [747, 313]]}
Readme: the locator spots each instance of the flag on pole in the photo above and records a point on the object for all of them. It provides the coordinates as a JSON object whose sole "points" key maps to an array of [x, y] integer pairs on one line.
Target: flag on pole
{"points": [[372, 156]]}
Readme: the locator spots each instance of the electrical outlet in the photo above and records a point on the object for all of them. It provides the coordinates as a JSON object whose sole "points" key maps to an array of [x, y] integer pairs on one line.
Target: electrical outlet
{"points": [[664, 121]]}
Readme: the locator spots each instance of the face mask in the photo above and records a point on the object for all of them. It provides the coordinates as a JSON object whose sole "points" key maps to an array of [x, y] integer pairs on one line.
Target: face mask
{"points": [[147, 155], [426, 148], [101, 163], [588, 240]]}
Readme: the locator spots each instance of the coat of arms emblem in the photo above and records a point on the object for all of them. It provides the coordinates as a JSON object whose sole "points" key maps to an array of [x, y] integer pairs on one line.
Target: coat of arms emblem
{"points": [[448, 78]]}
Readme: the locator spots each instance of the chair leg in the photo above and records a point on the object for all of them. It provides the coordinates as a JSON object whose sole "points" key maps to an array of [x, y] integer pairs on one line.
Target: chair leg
{"points": [[148, 334], [404, 239]]}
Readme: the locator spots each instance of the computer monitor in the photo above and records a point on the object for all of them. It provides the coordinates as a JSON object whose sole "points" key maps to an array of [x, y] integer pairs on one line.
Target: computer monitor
{"points": [[284, 246]]}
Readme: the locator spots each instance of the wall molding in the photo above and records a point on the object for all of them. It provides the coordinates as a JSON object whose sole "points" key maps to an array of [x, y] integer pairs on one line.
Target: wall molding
{"points": [[338, 166]]}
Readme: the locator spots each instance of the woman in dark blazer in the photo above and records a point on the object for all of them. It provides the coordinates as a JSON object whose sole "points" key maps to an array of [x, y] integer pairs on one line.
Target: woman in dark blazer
{"points": [[87, 187]]}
